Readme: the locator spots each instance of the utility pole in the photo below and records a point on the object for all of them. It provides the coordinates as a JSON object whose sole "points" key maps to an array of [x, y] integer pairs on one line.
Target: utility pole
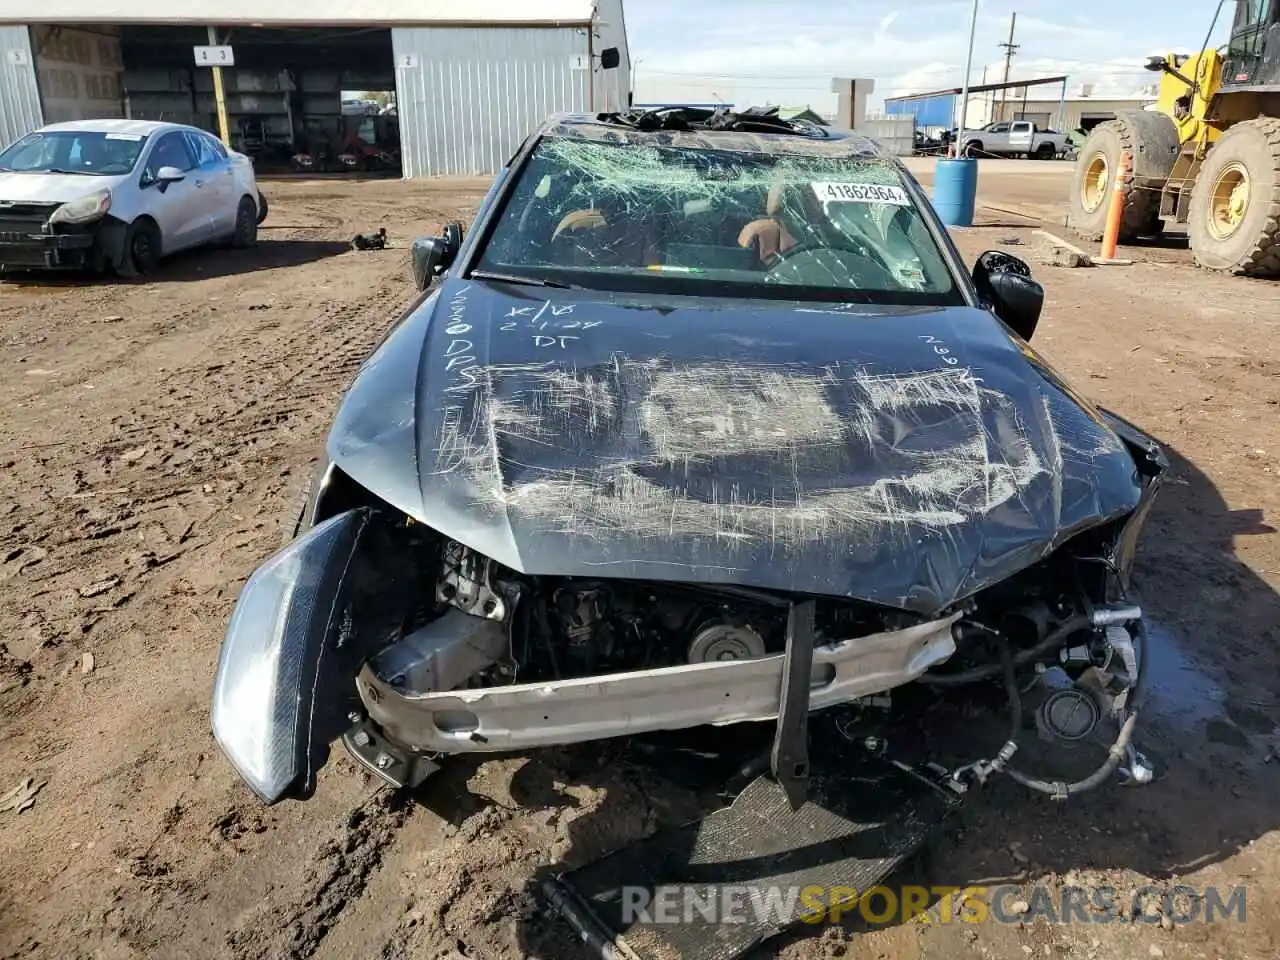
{"points": [[219, 94], [1010, 48]]}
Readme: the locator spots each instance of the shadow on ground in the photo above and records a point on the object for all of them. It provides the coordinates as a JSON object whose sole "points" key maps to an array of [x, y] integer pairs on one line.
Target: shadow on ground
{"points": [[199, 264]]}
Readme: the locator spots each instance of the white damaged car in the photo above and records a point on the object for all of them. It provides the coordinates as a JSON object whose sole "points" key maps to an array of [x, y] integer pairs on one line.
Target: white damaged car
{"points": [[121, 194]]}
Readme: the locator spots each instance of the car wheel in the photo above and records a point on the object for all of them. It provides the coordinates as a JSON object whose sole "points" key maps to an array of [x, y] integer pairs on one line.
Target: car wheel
{"points": [[262, 207], [142, 245], [1046, 151], [972, 149], [246, 233]]}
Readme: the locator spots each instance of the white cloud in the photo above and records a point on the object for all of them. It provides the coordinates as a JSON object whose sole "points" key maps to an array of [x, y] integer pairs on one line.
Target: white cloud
{"points": [[750, 50]]}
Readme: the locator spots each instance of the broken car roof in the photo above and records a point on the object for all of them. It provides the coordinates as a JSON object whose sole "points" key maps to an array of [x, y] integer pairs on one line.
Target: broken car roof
{"points": [[832, 143]]}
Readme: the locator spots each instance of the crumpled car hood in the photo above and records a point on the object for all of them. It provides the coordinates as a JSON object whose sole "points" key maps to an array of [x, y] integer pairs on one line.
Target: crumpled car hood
{"points": [[902, 456]]}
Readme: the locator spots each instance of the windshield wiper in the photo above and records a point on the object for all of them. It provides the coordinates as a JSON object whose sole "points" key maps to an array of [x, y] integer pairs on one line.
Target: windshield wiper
{"points": [[513, 278], [60, 170]]}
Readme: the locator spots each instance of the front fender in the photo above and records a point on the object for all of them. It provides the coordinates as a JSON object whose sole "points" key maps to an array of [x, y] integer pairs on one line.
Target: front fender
{"points": [[284, 687]]}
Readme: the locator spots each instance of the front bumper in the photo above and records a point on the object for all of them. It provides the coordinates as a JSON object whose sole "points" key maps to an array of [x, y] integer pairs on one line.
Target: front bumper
{"points": [[295, 670], [49, 251], [533, 715]]}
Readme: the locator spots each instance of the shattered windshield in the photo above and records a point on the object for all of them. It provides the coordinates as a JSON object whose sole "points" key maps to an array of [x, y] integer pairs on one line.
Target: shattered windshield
{"points": [[697, 219], [81, 151]]}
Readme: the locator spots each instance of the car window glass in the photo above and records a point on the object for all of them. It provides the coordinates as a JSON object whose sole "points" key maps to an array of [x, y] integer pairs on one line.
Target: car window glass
{"points": [[170, 151], [36, 152], [603, 213], [202, 150], [93, 153], [217, 147], [1000, 128]]}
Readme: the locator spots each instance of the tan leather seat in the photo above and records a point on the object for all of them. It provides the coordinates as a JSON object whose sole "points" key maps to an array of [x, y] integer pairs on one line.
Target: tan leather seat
{"points": [[618, 242], [579, 220], [769, 235]]}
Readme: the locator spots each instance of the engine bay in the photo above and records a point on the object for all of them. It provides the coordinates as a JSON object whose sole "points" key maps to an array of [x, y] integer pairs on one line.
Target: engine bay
{"points": [[1058, 639]]}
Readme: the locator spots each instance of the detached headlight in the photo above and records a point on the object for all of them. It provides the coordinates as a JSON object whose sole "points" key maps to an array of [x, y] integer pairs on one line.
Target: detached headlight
{"points": [[282, 666], [85, 210]]}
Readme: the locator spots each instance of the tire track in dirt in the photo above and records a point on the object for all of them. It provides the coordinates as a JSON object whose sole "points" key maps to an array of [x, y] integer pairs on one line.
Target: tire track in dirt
{"points": [[134, 510], [334, 879], [174, 458]]}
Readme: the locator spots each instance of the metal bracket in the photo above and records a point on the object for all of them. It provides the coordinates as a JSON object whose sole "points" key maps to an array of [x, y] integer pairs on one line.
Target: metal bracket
{"points": [[1137, 770], [789, 759], [385, 760], [980, 771]]}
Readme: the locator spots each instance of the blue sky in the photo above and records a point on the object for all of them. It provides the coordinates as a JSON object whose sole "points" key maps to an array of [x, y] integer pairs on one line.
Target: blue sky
{"points": [[786, 51]]}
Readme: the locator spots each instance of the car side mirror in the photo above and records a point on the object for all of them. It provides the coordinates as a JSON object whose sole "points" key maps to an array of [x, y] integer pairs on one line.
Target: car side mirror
{"points": [[609, 58], [428, 257], [453, 237], [1005, 283], [167, 175], [432, 256]]}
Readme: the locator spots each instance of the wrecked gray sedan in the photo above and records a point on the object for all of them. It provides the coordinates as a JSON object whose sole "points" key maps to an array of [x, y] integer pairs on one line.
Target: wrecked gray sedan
{"points": [[703, 422]]}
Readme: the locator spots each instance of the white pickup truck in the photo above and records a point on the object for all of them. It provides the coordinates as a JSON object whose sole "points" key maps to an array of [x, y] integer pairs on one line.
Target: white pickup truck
{"points": [[1011, 138]]}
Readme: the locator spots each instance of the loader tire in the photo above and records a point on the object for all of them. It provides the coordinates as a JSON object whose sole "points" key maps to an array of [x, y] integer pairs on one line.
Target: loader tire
{"points": [[1244, 241], [1152, 141]]}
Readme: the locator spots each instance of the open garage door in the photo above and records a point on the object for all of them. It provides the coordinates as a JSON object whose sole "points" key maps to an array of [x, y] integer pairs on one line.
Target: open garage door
{"points": [[284, 91]]}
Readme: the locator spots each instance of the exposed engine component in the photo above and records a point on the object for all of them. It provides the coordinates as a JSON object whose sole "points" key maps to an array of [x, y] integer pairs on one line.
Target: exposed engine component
{"points": [[565, 627], [725, 641], [502, 623], [442, 655], [464, 583], [1070, 714]]}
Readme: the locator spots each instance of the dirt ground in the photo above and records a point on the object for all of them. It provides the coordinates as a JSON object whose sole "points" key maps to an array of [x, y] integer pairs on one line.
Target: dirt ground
{"points": [[149, 443]]}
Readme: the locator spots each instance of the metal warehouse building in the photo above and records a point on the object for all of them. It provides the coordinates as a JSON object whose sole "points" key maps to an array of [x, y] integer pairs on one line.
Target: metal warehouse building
{"points": [[470, 80], [939, 109]]}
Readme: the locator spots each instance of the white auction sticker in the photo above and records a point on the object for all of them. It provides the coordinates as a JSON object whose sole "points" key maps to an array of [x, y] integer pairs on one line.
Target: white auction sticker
{"points": [[131, 137], [861, 193]]}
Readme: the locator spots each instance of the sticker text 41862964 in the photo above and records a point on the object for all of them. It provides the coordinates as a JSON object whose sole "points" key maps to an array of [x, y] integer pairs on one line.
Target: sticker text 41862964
{"points": [[861, 193]]}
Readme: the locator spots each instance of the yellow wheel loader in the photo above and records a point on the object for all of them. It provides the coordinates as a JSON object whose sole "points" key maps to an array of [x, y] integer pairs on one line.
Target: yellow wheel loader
{"points": [[1207, 156]]}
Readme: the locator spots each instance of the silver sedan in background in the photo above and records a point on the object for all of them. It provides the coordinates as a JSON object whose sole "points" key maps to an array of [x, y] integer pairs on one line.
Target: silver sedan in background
{"points": [[121, 194]]}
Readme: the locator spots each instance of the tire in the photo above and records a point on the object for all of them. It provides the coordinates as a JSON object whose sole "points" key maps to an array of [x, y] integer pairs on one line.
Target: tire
{"points": [[1152, 141], [246, 232], [1247, 153], [142, 245], [1045, 151], [263, 208], [972, 149]]}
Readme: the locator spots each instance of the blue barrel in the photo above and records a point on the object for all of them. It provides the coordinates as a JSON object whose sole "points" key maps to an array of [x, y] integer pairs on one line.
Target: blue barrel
{"points": [[955, 191]]}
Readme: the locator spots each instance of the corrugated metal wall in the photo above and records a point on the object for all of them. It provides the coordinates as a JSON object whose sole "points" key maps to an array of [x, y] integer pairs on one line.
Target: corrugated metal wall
{"points": [[19, 95], [466, 98]]}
